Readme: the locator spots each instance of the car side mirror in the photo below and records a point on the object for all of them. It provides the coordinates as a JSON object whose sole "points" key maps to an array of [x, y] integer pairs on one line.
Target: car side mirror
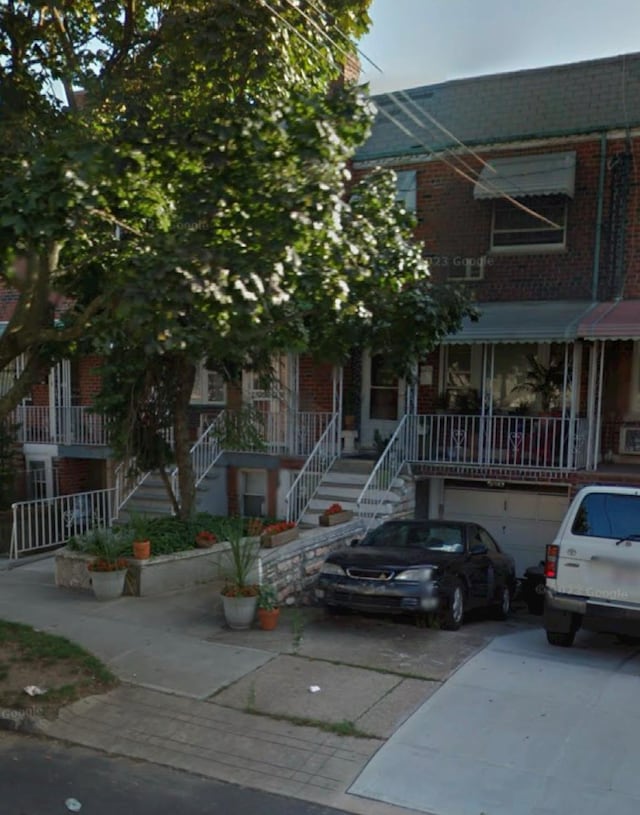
{"points": [[355, 542], [478, 549]]}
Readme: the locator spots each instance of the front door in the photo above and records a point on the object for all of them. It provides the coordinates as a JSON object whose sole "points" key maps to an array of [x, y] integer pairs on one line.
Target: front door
{"points": [[383, 402]]}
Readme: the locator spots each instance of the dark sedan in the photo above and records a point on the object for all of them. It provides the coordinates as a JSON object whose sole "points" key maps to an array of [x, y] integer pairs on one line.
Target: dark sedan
{"points": [[420, 567]]}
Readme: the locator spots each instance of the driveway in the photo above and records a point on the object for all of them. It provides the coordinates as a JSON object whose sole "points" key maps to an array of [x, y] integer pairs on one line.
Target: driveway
{"points": [[522, 728]]}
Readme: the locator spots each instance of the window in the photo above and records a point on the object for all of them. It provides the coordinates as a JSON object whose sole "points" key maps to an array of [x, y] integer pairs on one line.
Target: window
{"points": [[487, 540], [208, 387], [254, 491], [406, 186], [510, 367], [514, 229], [607, 515]]}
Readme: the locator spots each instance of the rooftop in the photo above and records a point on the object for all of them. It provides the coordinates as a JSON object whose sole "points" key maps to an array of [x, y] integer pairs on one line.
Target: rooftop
{"points": [[562, 100]]}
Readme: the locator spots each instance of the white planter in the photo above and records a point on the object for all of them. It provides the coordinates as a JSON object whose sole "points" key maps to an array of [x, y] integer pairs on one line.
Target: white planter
{"points": [[108, 585], [239, 612]]}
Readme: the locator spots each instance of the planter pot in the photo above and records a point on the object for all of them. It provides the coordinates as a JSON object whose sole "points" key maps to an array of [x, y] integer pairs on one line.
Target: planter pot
{"points": [[270, 541], [142, 550], [205, 544], [239, 611], [336, 518], [108, 585], [268, 619]]}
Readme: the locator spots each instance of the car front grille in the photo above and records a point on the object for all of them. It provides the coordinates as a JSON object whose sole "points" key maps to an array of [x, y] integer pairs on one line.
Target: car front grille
{"points": [[370, 601], [370, 574]]}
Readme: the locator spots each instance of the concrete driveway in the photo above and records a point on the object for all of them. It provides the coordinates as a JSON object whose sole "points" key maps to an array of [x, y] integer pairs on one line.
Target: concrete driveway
{"points": [[523, 728]]}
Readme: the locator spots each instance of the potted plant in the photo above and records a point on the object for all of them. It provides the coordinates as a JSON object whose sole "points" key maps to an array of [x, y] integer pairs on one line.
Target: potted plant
{"points": [[240, 591], [141, 544], [205, 539], [543, 381], [268, 610], [109, 567], [335, 514], [278, 533]]}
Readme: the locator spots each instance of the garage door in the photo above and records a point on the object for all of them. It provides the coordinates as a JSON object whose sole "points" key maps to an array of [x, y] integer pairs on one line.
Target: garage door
{"points": [[522, 521]]}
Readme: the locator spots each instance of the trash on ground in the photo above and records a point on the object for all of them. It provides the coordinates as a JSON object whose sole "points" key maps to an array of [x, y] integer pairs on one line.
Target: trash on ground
{"points": [[34, 690], [314, 688], [73, 805]]}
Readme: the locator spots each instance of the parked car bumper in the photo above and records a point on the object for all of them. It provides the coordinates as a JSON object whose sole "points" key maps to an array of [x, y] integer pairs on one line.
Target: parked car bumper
{"points": [[561, 612], [373, 595]]}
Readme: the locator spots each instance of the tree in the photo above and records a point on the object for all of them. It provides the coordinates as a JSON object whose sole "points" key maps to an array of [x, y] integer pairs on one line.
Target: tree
{"points": [[205, 203]]}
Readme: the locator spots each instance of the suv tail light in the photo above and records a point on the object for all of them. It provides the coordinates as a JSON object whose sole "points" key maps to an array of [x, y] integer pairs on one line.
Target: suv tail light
{"points": [[551, 560]]}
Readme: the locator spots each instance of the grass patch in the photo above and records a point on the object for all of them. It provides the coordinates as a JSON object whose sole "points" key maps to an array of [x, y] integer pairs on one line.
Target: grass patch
{"points": [[343, 728], [65, 670]]}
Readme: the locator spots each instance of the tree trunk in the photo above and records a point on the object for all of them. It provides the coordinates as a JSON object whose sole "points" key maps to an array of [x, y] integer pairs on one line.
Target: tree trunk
{"points": [[185, 376]]}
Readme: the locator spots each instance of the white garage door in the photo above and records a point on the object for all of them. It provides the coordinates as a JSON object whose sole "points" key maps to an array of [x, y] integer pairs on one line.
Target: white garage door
{"points": [[523, 522]]}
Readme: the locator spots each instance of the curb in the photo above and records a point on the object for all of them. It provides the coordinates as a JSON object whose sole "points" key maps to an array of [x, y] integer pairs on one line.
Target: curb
{"points": [[18, 721]]}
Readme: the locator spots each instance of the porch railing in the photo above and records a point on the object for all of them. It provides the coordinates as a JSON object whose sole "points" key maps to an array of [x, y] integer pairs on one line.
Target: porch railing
{"points": [[68, 425], [536, 442], [402, 447], [205, 452], [317, 465], [46, 522]]}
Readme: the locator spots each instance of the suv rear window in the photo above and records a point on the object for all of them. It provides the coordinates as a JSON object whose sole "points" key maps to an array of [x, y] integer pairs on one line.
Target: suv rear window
{"points": [[607, 515]]}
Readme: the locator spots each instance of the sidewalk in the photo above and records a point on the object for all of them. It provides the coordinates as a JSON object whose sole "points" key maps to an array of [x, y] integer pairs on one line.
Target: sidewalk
{"points": [[237, 706]]}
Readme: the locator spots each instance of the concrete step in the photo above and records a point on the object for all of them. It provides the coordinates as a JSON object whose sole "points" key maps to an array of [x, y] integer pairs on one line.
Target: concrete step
{"points": [[353, 465]]}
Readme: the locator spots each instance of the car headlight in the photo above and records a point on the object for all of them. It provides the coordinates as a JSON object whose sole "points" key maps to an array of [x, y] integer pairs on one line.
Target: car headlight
{"points": [[331, 568], [415, 575]]}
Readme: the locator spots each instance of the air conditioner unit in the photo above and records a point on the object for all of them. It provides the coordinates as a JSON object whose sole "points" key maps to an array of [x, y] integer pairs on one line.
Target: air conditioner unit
{"points": [[468, 268], [630, 440]]}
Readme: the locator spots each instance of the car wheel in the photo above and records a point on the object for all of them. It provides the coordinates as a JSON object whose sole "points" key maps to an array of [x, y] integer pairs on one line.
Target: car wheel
{"points": [[453, 616], [562, 638], [502, 609]]}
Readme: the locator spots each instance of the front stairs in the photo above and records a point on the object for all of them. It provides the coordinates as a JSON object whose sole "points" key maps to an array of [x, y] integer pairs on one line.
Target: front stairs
{"points": [[343, 484], [150, 498]]}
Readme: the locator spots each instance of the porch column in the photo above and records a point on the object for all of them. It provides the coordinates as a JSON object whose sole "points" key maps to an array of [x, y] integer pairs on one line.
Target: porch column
{"points": [[594, 403], [574, 408]]}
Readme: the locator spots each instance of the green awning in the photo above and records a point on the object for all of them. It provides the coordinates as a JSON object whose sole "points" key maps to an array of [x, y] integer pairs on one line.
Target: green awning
{"points": [[524, 321]]}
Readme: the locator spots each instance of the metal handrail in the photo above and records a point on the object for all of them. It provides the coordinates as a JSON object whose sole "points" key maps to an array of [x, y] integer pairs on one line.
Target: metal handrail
{"points": [[314, 470], [204, 452], [43, 523], [398, 451]]}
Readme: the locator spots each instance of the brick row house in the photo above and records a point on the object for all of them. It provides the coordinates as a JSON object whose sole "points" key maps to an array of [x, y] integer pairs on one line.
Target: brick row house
{"points": [[524, 188]]}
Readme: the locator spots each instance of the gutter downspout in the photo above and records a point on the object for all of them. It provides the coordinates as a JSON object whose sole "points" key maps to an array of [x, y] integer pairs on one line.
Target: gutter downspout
{"points": [[596, 249]]}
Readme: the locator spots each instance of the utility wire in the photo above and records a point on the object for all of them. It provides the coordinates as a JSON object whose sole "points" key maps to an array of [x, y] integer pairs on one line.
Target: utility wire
{"points": [[347, 38], [460, 172], [487, 187], [295, 30]]}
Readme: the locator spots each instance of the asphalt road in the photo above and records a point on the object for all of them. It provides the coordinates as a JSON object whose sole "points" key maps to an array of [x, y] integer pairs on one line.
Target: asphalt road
{"points": [[37, 777]]}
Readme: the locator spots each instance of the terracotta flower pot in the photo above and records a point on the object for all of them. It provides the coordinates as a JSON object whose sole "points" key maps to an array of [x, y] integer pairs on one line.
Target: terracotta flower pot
{"points": [[268, 618], [142, 550]]}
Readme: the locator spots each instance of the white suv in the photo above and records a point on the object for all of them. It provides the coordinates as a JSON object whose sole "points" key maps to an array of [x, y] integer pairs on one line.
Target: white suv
{"points": [[592, 568]]}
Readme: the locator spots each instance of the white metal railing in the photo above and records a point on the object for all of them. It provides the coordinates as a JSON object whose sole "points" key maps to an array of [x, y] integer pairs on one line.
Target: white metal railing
{"points": [[46, 522], [317, 465], [64, 425], [204, 453], [400, 449], [537, 442]]}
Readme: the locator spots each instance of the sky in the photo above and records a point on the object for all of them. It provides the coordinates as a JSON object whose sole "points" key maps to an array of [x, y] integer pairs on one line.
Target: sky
{"points": [[421, 42]]}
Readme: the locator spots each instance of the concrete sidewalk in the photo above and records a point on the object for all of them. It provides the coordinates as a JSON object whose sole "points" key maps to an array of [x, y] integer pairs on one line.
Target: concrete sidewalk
{"points": [[237, 706]]}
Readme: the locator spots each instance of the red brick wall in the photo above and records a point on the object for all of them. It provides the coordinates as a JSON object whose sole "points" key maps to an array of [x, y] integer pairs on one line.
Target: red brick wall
{"points": [[89, 379], [453, 225], [315, 386]]}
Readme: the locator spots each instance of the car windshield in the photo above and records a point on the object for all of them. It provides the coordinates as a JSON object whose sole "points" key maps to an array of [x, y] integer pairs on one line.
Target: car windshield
{"points": [[608, 515], [436, 537]]}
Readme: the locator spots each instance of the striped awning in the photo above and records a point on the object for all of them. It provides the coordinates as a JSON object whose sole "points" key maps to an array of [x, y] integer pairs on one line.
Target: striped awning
{"points": [[520, 176], [614, 320]]}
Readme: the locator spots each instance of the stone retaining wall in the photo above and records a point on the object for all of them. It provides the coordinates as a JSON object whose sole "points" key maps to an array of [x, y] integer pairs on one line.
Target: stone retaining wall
{"points": [[292, 568]]}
